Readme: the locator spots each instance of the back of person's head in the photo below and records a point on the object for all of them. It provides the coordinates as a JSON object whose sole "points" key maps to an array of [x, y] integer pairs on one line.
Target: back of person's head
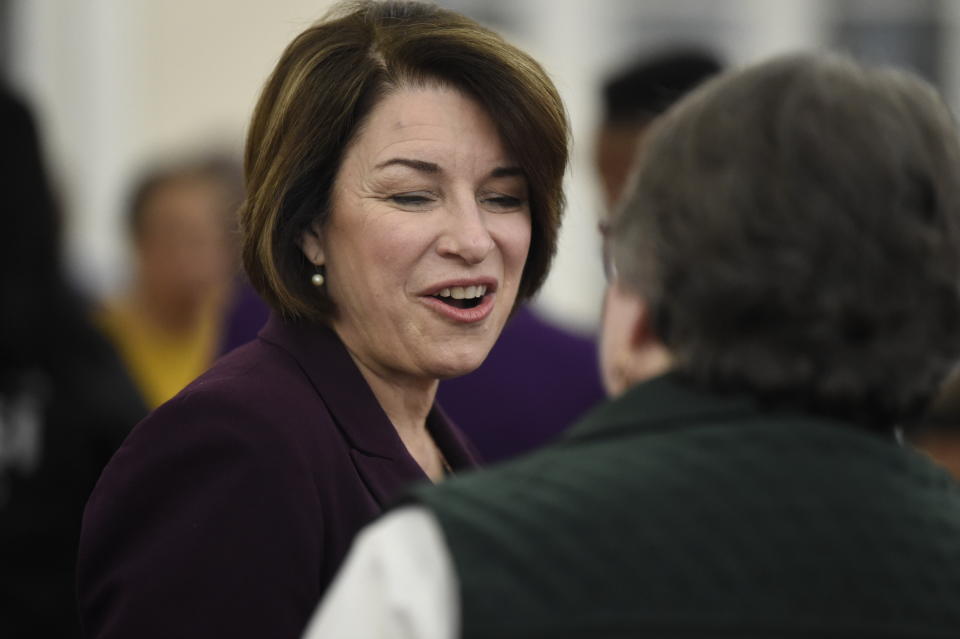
{"points": [[326, 83], [795, 229], [651, 84], [634, 96]]}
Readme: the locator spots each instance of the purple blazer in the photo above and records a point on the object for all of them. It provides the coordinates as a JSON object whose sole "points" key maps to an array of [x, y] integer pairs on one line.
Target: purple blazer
{"points": [[228, 510]]}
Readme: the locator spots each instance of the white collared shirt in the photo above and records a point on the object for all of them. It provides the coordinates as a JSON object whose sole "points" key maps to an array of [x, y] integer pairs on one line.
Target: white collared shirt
{"points": [[398, 582]]}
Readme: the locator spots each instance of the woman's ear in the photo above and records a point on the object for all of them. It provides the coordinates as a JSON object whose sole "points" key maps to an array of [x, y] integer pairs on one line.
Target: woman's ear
{"points": [[312, 245]]}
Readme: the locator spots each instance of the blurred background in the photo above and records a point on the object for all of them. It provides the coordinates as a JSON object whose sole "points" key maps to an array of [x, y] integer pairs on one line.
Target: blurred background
{"points": [[141, 108], [118, 85]]}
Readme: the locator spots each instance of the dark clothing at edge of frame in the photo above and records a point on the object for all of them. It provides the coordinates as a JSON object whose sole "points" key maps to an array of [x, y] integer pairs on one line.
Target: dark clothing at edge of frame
{"points": [[227, 511], [61, 418], [672, 512]]}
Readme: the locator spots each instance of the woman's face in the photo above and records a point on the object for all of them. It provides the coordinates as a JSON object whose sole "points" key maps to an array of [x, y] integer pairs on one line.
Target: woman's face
{"points": [[427, 237]]}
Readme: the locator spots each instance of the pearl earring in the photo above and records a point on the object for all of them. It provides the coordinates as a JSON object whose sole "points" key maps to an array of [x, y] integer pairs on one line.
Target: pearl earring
{"points": [[317, 279]]}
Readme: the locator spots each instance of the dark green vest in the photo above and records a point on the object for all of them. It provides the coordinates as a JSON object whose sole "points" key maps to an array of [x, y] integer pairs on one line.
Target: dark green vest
{"points": [[672, 513]]}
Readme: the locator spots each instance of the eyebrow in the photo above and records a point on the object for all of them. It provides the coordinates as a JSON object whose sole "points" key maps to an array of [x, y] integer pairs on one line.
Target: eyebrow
{"points": [[430, 167], [507, 171], [417, 165]]}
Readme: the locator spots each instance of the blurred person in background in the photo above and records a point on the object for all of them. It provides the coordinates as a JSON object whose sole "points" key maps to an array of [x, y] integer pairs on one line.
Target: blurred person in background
{"points": [[169, 326], [65, 400], [404, 171], [633, 98], [783, 292], [938, 432], [540, 378]]}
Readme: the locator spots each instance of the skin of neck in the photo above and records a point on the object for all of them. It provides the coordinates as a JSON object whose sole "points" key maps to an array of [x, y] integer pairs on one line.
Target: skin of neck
{"points": [[407, 401], [943, 446], [631, 353]]}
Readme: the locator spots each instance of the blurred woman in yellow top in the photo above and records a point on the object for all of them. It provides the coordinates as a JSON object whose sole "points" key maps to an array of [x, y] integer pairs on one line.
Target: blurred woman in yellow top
{"points": [[167, 327]]}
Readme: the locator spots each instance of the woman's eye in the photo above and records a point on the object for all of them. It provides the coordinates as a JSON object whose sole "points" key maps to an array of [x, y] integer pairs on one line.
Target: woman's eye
{"points": [[412, 200]]}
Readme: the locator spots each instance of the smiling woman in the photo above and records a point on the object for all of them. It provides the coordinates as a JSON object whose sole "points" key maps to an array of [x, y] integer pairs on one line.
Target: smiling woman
{"points": [[428, 208], [404, 169]]}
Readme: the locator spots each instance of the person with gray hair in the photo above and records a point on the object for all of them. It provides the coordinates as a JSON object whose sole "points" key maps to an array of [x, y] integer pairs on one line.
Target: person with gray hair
{"points": [[784, 291]]}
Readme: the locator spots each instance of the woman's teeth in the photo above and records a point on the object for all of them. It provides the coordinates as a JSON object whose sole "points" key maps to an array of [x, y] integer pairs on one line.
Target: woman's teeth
{"points": [[462, 296], [463, 292]]}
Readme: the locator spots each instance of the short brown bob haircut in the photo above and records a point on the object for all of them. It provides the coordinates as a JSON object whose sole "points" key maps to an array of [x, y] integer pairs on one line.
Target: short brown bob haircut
{"points": [[325, 84]]}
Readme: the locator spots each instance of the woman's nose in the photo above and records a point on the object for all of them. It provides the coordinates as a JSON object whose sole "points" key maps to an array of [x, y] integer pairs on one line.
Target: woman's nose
{"points": [[466, 235]]}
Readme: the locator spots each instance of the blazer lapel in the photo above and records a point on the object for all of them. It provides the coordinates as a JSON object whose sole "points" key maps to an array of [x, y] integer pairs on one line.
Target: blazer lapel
{"points": [[456, 448], [378, 454]]}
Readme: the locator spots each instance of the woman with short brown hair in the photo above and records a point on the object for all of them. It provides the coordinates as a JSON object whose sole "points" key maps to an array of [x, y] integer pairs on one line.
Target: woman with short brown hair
{"points": [[404, 169]]}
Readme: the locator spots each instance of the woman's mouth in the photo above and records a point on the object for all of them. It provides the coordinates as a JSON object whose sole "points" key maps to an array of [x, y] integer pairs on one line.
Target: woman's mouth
{"points": [[462, 296], [463, 302]]}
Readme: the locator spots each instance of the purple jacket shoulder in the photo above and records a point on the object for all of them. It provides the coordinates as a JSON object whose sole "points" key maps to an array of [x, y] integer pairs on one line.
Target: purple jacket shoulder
{"points": [[228, 510]]}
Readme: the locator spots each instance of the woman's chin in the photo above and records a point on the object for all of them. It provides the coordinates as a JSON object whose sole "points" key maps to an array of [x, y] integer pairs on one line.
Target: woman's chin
{"points": [[459, 364]]}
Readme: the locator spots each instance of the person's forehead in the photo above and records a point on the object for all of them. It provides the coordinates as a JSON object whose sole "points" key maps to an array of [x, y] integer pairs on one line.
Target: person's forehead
{"points": [[419, 118], [183, 199]]}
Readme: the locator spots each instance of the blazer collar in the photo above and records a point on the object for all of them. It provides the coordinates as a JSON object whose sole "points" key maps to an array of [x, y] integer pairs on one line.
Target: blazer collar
{"points": [[378, 452]]}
